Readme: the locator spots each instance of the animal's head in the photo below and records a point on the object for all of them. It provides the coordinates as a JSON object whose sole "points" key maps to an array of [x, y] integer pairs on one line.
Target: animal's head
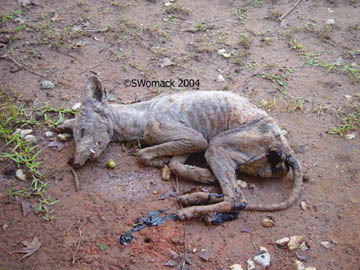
{"points": [[91, 129]]}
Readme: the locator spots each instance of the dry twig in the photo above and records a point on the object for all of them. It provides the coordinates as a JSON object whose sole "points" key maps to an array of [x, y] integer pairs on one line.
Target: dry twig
{"points": [[76, 180], [290, 10], [77, 247]]}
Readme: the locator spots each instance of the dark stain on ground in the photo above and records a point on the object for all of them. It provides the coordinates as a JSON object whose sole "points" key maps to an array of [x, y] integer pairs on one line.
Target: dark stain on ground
{"points": [[153, 218]]}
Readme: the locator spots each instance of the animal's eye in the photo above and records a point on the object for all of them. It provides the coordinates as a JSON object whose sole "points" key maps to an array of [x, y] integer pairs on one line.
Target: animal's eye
{"points": [[98, 143], [82, 132]]}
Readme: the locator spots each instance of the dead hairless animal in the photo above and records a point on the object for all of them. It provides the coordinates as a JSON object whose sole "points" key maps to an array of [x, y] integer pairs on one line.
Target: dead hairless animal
{"points": [[233, 133]]}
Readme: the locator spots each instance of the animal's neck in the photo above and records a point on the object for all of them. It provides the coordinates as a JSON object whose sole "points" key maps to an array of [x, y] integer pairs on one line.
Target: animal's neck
{"points": [[129, 121]]}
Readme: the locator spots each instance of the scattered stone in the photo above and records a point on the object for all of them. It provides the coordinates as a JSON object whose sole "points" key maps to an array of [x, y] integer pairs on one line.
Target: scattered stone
{"points": [[20, 175], [76, 107], [263, 257], [282, 242], [4, 227], [63, 137], [205, 254], [300, 256], [224, 53], [299, 265], [350, 136], [325, 244], [310, 268], [303, 205], [26, 207], [56, 144], [194, 250], [250, 264], [111, 164], [47, 85], [303, 246], [30, 138], [295, 241], [220, 78], [268, 222], [165, 173], [236, 267], [330, 21], [23, 132], [166, 62], [168, 4], [49, 134], [242, 184]]}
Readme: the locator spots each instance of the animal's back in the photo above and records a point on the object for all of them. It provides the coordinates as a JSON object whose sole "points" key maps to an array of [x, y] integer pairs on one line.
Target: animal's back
{"points": [[209, 112]]}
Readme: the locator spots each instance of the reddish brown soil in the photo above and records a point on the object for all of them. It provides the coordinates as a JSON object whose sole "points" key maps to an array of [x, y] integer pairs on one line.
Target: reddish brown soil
{"points": [[139, 34]]}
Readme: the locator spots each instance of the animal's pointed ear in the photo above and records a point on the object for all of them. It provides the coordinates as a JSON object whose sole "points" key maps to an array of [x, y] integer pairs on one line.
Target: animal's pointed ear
{"points": [[94, 89], [67, 125]]}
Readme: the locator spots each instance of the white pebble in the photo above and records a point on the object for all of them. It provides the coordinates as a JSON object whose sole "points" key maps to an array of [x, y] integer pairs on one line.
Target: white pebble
{"points": [[303, 246], [220, 78], [236, 267], [295, 241], [330, 21], [49, 134], [325, 244], [262, 258], [242, 184], [250, 264], [299, 265], [20, 175], [30, 138], [283, 241], [76, 107]]}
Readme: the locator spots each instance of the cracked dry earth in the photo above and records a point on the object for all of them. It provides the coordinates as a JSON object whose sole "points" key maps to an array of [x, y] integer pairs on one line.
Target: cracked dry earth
{"points": [[303, 71]]}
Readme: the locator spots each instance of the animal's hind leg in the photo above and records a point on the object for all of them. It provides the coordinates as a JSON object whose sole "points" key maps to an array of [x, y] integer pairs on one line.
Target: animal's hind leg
{"points": [[202, 175], [200, 198]]}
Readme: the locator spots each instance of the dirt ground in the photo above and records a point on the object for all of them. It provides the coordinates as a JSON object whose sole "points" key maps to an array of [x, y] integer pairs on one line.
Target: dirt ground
{"points": [[304, 71]]}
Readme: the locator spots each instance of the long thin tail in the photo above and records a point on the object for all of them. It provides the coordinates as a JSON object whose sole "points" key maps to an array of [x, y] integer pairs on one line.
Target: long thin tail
{"points": [[298, 181]]}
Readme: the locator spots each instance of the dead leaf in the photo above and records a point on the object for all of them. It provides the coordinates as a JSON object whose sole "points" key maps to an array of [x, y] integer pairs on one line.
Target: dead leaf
{"points": [[30, 248]]}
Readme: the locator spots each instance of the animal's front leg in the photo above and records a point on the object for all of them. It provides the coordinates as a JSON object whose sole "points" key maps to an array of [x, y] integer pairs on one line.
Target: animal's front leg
{"points": [[170, 140]]}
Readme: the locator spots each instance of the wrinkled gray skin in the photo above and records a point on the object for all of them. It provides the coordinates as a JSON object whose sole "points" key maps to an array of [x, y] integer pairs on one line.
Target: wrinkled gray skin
{"points": [[233, 133]]}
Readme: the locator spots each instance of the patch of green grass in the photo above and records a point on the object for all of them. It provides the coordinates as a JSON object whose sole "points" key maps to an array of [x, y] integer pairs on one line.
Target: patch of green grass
{"points": [[25, 154], [240, 14], [268, 105], [350, 120], [12, 16]]}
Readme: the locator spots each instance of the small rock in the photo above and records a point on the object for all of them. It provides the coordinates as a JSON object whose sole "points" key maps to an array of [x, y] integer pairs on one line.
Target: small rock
{"points": [[23, 132], [303, 205], [330, 21], [224, 53], [5, 226], [168, 4], [236, 267], [350, 136], [295, 241], [49, 134], [242, 184], [220, 78], [194, 250], [166, 62], [30, 138], [303, 246], [47, 85], [268, 222], [262, 258], [63, 137], [205, 254], [76, 107], [165, 173], [250, 264], [325, 244], [299, 265], [300, 256], [20, 175], [282, 242], [310, 268]]}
